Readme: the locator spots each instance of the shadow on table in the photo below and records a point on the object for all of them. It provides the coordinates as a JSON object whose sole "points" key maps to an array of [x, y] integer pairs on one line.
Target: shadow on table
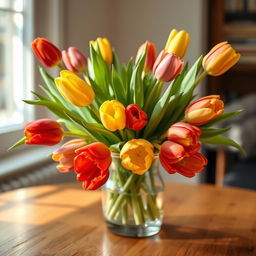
{"points": [[215, 232]]}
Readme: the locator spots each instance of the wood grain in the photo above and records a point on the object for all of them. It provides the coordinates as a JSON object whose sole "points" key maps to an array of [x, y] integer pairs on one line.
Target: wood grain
{"points": [[64, 220]]}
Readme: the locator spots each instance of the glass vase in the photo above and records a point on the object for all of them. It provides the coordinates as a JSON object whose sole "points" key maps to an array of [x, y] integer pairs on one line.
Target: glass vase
{"points": [[133, 204]]}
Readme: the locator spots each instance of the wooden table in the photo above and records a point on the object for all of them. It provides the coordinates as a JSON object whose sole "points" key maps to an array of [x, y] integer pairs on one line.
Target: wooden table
{"points": [[65, 220]]}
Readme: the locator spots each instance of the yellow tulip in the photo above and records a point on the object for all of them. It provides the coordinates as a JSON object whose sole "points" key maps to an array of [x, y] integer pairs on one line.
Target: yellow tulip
{"points": [[112, 115], [74, 89], [137, 155], [220, 58], [177, 42], [105, 49]]}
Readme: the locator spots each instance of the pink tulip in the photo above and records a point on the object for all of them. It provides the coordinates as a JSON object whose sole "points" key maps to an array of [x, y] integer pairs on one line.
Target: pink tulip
{"points": [[74, 60], [167, 66], [186, 135], [66, 153]]}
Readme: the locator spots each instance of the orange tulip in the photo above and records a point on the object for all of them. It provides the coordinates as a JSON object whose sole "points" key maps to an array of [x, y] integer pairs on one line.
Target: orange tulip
{"points": [[46, 52], [204, 110], [150, 55], [186, 135], [91, 165], [66, 153], [220, 58]]}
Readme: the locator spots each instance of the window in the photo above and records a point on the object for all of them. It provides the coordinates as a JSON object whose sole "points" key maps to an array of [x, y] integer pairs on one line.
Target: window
{"points": [[15, 62]]}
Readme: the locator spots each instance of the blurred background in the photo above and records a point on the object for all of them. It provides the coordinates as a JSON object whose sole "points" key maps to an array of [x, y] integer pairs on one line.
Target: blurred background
{"points": [[127, 24]]}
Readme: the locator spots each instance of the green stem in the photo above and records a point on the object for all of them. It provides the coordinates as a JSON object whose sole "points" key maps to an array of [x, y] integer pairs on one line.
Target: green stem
{"points": [[137, 208], [122, 135], [71, 134], [152, 94], [61, 66], [199, 79], [120, 198], [95, 111]]}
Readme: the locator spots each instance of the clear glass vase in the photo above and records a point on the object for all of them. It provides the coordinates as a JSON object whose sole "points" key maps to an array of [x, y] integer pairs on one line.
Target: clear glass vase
{"points": [[133, 204]]}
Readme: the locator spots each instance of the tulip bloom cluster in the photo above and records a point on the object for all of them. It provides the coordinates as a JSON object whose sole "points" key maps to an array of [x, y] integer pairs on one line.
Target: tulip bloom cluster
{"points": [[114, 116], [123, 108], [180, 152]]}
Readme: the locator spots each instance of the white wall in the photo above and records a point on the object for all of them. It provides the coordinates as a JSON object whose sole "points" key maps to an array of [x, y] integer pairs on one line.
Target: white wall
{"points": [[129, 23]]}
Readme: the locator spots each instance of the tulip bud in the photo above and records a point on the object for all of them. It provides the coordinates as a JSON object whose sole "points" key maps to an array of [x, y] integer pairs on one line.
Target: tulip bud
{"points": [[74, 60], [150, 55], [66, 153], [137, 155], [167, 66], [112, 115], [43, 132], [136, 119], [105, 49], [186, 135], [74, 89], [177, 43], [204, 110], [220, 58], [46, 52]]}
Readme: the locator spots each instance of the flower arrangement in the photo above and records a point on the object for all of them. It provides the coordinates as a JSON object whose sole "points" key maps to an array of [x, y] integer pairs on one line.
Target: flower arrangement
{"points": [[123, 109]]}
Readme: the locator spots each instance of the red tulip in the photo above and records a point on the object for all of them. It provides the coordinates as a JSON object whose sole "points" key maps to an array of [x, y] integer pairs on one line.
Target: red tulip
{"points": [[186, 135], [171, 153], [188, 166], [204, 110], [74, 60], [136, 119], [43, 132], [150, 55], [167, 66], [91, 165], [46, 52], [66, 153]]}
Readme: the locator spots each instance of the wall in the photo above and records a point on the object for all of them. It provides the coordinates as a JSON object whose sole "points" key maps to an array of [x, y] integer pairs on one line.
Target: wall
{"points": [[129, 23]]}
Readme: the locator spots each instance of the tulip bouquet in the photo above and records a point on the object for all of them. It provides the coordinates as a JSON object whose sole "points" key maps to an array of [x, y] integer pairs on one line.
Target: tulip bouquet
{"points": [[121, 114]]}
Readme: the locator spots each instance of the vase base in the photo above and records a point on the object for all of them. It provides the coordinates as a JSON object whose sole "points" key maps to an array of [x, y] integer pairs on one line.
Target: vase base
{"points": [[147, 230]]}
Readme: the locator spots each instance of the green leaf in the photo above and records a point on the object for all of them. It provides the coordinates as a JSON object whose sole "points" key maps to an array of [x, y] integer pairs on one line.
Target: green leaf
{"points": [[136, 83], [221, 140], [167, 120], [158, 113], [223, 118], [118, 87], [116, 62], [186, 86], [51, 85], [101, 73], [206, 133], [20, 142]]}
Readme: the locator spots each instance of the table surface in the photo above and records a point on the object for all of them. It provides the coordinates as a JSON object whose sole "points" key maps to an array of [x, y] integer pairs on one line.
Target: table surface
{"points": [[66, 220]]}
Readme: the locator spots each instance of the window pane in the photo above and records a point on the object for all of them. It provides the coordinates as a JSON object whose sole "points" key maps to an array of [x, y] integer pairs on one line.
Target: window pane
{"points": [[11, 69], [16, 5]]}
